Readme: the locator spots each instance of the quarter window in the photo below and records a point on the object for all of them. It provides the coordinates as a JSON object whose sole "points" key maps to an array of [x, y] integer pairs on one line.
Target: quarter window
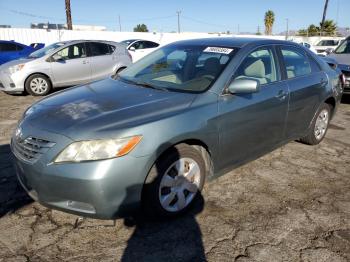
{"points": [[296, 63], [259, 65]]}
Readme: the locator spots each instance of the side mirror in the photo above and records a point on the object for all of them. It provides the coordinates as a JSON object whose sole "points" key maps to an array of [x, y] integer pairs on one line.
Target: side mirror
{"points": [[329, 51], [57, 58], [244, 86], [132, 48]]}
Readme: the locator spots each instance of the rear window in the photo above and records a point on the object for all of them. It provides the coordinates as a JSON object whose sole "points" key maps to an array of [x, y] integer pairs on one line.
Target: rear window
{"points": [[343, 48]]}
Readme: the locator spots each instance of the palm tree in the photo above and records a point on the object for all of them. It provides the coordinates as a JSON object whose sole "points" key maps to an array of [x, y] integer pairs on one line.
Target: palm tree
{"points": [[269, 20], [329, 28]]}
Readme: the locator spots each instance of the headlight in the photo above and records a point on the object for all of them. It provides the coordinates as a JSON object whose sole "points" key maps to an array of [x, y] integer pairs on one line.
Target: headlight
{"points": [[97, 149], [14, 69]]}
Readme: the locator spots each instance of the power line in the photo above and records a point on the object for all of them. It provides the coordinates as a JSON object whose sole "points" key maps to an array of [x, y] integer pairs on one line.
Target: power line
{"points": [[202, 22]]}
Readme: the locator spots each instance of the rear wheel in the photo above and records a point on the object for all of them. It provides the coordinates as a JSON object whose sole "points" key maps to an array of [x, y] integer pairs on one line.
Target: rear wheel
{"points": [[319, 126], [174, 182], [38, 85]]}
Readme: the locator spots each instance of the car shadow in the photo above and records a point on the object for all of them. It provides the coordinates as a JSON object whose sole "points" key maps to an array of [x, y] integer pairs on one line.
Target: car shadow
{"points": [[12, 195], [177, 238], [345, 99]]}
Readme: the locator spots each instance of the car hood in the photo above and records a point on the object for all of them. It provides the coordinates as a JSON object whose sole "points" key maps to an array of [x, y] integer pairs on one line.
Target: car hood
{"points": [[343, 59], [104, 106], [16, 62]]}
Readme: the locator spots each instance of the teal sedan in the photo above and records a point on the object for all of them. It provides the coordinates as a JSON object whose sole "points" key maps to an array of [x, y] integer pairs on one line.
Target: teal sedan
{"points": [[148, 138]]}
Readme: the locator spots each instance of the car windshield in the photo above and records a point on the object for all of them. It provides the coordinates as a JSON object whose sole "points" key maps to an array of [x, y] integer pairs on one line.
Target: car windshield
{"points": [[183, 68], [343, 48], [46, 50], [327, 43]]}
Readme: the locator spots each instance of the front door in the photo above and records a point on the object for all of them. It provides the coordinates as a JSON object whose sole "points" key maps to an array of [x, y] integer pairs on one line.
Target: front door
{"points": [[73, 67], [252, 124]]}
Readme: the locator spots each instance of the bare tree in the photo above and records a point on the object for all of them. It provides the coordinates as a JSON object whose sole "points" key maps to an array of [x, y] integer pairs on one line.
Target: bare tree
{"points": [[324, 15], [68, 15]]}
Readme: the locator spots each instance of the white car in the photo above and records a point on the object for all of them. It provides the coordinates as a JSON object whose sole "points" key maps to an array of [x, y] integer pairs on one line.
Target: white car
{"points": [[325, 46], [139, 48], [307, 45], [63, 64]]}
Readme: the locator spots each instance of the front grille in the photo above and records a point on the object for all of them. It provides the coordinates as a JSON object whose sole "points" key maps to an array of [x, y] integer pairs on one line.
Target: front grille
{"points": [[31, 148]]}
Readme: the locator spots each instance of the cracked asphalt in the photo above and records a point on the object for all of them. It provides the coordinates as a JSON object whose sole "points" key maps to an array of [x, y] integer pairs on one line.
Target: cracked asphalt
{"points": [[290, 205]]}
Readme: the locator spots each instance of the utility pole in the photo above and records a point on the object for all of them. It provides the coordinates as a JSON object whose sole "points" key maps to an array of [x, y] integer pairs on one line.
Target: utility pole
{"points": [[324, 15], [287, 31], [68, 15], [178, 21], [120, 25], [238, 29]]}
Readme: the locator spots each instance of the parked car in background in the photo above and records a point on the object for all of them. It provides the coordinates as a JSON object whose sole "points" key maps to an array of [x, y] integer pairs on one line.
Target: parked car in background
{"points": [[325, 46], [185, 113], [342, 56], [139, 48], [11, 50], [307, 45], [63, 64]]}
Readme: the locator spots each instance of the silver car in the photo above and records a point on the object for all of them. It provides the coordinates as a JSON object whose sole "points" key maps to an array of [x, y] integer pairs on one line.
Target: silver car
{"points": [[63, 64]]}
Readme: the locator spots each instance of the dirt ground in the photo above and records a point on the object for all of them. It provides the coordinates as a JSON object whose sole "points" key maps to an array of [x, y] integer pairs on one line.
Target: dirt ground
{"points": [[290, 205]]}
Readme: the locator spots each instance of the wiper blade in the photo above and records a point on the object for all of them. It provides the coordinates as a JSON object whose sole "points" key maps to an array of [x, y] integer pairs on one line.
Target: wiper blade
{"points": [[148, 85]]}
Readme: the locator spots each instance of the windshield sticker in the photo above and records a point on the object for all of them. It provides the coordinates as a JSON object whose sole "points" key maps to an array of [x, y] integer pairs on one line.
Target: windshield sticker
{"points": [[220, 50]]}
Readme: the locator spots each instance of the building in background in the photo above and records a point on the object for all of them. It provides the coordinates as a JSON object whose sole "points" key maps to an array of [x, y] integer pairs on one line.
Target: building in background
{"points": [[64, 26], [5, 26]]}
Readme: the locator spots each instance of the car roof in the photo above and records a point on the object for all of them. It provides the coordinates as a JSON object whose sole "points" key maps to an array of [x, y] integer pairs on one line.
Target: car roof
{"points": [[92, 40], [233, 41]]}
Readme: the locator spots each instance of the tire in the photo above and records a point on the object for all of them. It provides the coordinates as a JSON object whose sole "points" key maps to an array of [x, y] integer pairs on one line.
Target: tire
{"points": [[319, 126], [164, 183], [38, 85]]}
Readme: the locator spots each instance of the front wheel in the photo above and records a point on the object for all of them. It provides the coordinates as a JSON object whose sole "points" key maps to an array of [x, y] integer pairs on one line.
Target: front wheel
{"points": [[319, 126], [174, 182], [38, 85]]}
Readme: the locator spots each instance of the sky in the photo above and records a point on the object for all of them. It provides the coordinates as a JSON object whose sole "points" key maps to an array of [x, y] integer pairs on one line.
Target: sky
{"points": [[160, 15]]}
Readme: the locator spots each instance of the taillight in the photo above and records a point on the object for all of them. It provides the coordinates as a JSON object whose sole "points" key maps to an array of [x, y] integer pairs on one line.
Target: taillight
{"points": [[129, 55], [342, 79]]}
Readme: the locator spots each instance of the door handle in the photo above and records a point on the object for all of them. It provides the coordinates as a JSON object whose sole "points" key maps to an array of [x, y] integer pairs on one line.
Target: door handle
{"points": [[281, 95]]}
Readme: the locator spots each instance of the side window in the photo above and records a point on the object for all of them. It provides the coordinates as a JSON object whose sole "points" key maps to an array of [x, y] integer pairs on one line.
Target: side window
{"points": [[296, 62], [149, 44], [8, 47], [315, 67], [19, 47], [138, 45], [259, 65], [73, 51], [97, 49]]}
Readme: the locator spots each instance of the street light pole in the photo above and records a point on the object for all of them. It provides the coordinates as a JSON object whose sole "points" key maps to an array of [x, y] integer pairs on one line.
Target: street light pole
{"points": [[178, 21], [287, 31]]}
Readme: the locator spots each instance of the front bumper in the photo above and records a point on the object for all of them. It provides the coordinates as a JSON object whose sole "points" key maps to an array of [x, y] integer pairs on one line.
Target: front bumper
{"points": [[11, 83], [104, 189]]}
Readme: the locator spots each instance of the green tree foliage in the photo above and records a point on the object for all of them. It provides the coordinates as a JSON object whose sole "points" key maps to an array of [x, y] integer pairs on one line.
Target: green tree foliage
{"points": [[140, 28], [329, 29], [269, 20]]}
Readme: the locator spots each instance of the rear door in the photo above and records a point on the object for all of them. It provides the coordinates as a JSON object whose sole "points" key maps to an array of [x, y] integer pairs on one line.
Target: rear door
{"points": [[102, 59], [73, 68], [305, 81], [252, 124]]}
